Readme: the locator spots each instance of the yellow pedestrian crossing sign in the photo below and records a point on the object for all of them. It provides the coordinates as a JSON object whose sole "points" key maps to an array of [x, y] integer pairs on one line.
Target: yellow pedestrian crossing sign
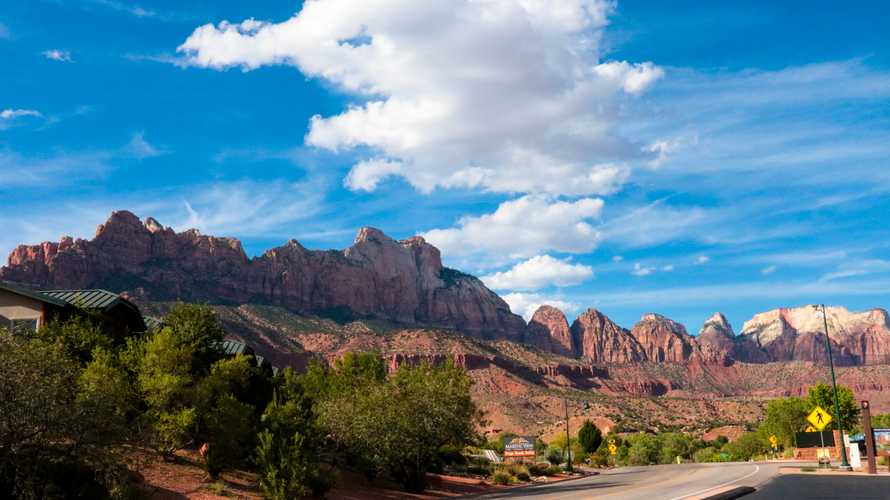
{"points": [[613, 449], [774, 441], [819, 418], [810, 428]]}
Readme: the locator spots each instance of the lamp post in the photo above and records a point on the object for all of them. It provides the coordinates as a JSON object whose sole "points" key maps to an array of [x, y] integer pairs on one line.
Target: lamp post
{"points": [[565, 403], [837, 405]]}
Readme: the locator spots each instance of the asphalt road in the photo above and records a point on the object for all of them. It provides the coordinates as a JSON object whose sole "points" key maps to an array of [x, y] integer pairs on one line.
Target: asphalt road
{"points": [[670, 482], [813, 487]]}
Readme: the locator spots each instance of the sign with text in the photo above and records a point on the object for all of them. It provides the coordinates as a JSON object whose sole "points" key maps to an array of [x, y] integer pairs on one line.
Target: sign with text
{"points": [[520, 447], [882, 442]]}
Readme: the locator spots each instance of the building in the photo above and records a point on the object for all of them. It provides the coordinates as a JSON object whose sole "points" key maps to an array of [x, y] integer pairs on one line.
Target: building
{"points": [[27, 310], [22, 309]]}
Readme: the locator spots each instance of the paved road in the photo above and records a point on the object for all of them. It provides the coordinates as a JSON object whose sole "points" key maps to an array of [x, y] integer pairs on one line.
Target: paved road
{"points": [[672, 482], [819, 487]]}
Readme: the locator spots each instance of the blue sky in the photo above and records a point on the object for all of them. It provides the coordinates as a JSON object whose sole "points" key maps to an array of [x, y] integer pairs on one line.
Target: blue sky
{"points": [[683, 158]]}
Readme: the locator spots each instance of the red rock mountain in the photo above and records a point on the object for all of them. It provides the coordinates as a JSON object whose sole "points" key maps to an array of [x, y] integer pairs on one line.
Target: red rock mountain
{"points": [[716, 340], [663, 340], [599, 340], [549, 330], [402, 281]]}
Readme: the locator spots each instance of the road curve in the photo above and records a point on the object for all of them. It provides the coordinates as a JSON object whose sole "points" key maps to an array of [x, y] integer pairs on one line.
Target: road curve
{"points": [[670, 482]]}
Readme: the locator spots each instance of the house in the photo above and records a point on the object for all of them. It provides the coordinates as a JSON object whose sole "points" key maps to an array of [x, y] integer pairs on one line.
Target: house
{"points": [[24, 310]]}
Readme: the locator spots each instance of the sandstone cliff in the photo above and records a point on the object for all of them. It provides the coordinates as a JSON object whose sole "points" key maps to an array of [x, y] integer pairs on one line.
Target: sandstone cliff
{"points": [[549, 330], [600, 340], [716, 340], [378, 277], [663, 340]]}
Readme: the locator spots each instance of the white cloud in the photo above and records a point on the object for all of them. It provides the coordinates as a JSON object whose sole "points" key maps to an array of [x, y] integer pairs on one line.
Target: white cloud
{"points": [[702, 259], [140, 148], [506, 95], [668, 268], [538, 272], [131, 9], [641, 270], [522, 228], [57, 55], [20, 171], [617, 258], [525, 304], [855, 268], [9, 115], [768, 270]]}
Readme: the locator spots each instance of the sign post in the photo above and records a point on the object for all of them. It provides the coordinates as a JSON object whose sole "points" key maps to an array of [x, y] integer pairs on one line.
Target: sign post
{"points": [[869, 438], [774, 442], [818, 419], [837, 405]]}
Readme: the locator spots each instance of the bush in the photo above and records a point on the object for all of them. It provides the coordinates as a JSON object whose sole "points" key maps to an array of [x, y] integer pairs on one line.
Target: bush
{"points": [[599, 459], [704, 455], [501, 477], [590, 437], [523, 476], [554, 470], [452, 455], [555, 456], [538, 469], [644, 449]]}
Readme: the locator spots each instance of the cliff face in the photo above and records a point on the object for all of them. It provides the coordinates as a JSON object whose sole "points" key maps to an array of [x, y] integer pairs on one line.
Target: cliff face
{"points": [[600, 340], [798, 334], [377, 277], [716, 340], [549, 330], [663, 340]]}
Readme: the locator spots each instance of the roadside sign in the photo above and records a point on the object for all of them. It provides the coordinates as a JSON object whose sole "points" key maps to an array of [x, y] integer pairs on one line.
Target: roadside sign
{"points": [[819, 418], [612, 448], [774, 441], [520, 447], [810, 428]]}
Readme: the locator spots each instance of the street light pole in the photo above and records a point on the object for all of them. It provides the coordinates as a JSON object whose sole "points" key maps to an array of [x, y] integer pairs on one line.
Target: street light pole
{"points": [[837, 405], [568, 439]]}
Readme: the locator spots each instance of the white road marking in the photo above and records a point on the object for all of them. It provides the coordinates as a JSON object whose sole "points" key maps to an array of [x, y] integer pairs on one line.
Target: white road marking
{"points": [[756, 470]]}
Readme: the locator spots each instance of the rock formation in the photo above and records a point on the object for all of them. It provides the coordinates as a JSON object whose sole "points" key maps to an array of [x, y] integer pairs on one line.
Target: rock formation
{"points": [[663, 340], [716, 340], [798, 334], [378, 277], [599, 340], [549, 330]]}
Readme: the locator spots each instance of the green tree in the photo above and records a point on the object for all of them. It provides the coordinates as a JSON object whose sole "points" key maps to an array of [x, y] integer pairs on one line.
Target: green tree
{"points": [[747, 446], [197, 328], [590, 437], [399, 425], [784, 418], [673, 445], [643, 449], [78, 336], [881, 421], [822, 395]]}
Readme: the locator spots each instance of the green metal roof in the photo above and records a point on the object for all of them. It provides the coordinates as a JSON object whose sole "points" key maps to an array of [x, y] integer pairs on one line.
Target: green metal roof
{"points": [[87, 299], [152, 323], [33, 294]]}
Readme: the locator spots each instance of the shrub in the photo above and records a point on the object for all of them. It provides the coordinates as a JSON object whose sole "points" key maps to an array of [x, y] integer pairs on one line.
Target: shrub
{"points": [[554, 456], [599, 459], [501, 477], [523, 476], [554, 470], [538, 469], [708, 454], [452, 455], [590, 437]]}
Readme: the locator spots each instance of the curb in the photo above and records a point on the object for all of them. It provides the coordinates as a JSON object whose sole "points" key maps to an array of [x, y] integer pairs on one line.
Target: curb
{"points": [[737, 492]]}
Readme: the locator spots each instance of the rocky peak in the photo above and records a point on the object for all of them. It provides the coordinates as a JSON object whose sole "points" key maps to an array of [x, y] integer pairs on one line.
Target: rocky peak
{"points": [[375, 277], [549, 330], [717, 324], [598, 339], [662, 339]]}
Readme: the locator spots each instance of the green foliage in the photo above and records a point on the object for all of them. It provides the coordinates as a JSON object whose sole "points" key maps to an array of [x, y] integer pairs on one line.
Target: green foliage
{"points": [[784, 418], [590, 437], [397, 426], [822, 395], [643, 449], [78, 336], [287, 454], [55, 437], [747, 446], [555, 456], [538, 469], [709, 454], [501, 477], [881, 421], [229, 425], [197, 328], [554, 470], [673, 445]]}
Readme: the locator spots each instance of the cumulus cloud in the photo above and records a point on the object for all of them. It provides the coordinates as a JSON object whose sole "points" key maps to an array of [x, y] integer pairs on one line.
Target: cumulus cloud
{"points": [[506, 95], [538, 272], [522, 228], [9, 115], [57, 55], [525, 304]]}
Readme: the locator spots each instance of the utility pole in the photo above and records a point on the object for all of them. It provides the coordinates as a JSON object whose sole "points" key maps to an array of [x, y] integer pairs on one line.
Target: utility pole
{"points": [[565, 402], [837, 405], [869, 438]]}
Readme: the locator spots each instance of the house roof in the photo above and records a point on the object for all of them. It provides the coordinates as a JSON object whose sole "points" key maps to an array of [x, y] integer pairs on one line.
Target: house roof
{"points": [[33, 294], [87, 299], [104, 301]]}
